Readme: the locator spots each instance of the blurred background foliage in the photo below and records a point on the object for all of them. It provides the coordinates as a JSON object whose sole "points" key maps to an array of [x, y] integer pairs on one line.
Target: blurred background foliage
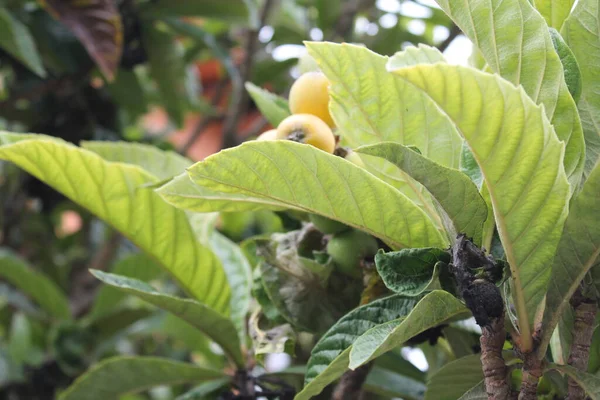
{"points": [[165, 72]]}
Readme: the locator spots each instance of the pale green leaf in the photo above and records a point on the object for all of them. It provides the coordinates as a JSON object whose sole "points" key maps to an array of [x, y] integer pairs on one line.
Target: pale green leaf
{"points": [[520, 159], [120, 375], [554, 11], [456, 194], [239, 275], [590, 383], [434, 309], [330, 356], [274, 108], [455, 378], [516, 44], [582, 32], [214, 325], [160, 163], [578, 251], [422, 54], [34, 284], [409, 271], [292, 175], [112, 192], [16, 39]]}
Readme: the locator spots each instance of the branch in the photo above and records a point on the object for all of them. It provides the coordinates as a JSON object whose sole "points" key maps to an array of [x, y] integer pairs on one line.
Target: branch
{"points": [[350, 385], [583, 330], [343, 28], [239, 97], [454, 32], [532, 372]]}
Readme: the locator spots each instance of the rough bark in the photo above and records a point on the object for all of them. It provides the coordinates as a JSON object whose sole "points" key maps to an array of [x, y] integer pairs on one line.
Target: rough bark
{"points": [[350, 385], [494, 367], [532, 372]]}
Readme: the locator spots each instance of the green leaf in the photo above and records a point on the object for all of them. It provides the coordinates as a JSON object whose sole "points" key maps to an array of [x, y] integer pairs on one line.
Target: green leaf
{"points": [[455, 378], [409, 271], [554, 11], [434, 309], [569, 63], [239, 275], [127, 91], [120, 375], [16, 39], [521, 161], [477, 392], [164, 164], [230, 10], [139, 266], [35, 285], [330, 357], [590, 383], [578, 251], [384, 382], [112, 192], [199, 392], [455, 193], [214, 325], [274, 108], [516, 44], [582, 32], [422, 54], [165, 56], [302, 177]]}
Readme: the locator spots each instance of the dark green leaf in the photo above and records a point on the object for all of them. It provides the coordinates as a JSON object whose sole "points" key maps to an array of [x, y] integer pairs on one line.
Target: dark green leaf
{"points": [[127, 91], [231, 10], [455, 378], [590, 383], [16, 39], [387, 383], [207, 388]]}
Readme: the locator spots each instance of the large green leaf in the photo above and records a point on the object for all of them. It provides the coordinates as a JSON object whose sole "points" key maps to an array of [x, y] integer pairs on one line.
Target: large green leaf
{"points": [[435, 308], [16, 39], [582, 32], [292, 175], [217, 327], [120, 375], [590, 383], [35, 285], [330, 357], [112, 192], [554, 11], [516, 43], [521, 161], [578, 251], [409, 271], [160, 163], [274, 108], [456, 194], [454, 379]]}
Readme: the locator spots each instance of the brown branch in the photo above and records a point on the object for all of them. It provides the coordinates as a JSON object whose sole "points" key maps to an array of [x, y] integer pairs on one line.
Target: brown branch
{"points": [[350, 385], [583, 330], [239, 97], [494, 367], [532, 372], [454, 32]]}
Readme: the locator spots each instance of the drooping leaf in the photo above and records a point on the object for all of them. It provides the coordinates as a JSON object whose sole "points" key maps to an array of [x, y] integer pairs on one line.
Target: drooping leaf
{"points": [[16, 39], [582, 32], [216, 326], [554, 11], [521, 161], [34, 284], [590, 383], [455, 193], [274, 108], [454, 379], [409, 271], [230, 10], [516, 44], [578, 251], [97, 25], [160, 163], [119, 375], [384, 382], [239, 275], [304, 178], [165, 56], [330, 357], [139, 266], [569, 62], [112, 192], [435, 308]]}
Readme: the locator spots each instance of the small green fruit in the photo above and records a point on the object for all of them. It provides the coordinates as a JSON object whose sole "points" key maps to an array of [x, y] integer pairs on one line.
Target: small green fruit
{"points": [[347, 249], [327, 225]]}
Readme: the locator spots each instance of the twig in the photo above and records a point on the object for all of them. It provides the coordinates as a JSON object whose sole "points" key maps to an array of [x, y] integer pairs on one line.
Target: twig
{"points": [[239, 98], [350, 385], [583, 330], [84, 284], [454, 32]]}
